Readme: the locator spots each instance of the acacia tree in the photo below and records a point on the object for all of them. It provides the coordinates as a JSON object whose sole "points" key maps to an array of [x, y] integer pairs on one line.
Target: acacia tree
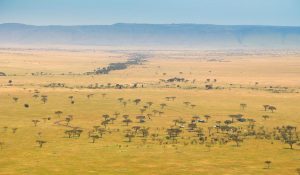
{"points": [[137, 101], [272, 108], [266, 107], [136, 128], [41, 143], [5, 128], [101, 131], [45, 119], [268, 163], [142, 110], [179, 121], [68, 120], [69, 133], [236, 138], [105, 123], [209, 130], [163, 105], [127, 121], [192, 126], [173, 134], [89, 96], [124, 103], [96, 127], [71, 97], [105, 116], [265, 117], [149, 103], [218, 125], [44, 98], [195, 118], [289, 135], [227, 122], [291, 142], [155, 112], [125, 116], [176, 121], [243, 106], [14, 130], [77, 132], [112, 120], [15, 99], [120, 99], [58, 113], [160, 113], [144, 131], [207, 117], [129, 135], [94, 137], [200, 134], [141, 118], [235, 116], [35, 122], [187, 103], [149, 116]]}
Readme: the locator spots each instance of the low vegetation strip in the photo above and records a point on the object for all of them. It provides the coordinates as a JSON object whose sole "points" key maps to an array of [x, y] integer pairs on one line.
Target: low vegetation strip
{"points": [[136, 59]]}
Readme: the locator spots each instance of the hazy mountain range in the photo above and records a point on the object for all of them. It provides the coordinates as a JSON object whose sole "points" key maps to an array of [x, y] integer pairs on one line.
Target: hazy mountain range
{"points": [[182, 35]]}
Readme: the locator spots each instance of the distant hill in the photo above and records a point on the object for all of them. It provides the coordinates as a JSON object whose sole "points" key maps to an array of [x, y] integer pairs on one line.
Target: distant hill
{"points": [[182, 35]]}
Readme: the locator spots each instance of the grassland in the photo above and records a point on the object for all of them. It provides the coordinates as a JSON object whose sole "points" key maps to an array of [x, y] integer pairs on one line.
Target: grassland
{"points": [[253, 78]]}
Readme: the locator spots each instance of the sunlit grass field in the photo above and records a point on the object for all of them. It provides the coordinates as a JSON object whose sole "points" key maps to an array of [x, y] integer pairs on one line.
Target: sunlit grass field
{"points": [[243, 79]]}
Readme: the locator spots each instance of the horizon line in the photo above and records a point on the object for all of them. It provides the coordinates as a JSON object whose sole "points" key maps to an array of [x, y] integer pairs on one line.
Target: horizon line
{"points": [[120, 23]]}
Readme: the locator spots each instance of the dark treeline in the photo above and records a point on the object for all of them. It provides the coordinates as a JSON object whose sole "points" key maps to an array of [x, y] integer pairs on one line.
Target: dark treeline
{"points": [[136, 59]]}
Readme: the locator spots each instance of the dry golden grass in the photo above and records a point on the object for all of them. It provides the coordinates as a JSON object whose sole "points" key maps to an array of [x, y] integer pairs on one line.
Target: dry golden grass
{"points": [[113, 154]]}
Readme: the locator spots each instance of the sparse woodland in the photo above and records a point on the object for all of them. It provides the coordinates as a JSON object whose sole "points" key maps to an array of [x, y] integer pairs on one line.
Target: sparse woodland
{"points": [[113, 120]]}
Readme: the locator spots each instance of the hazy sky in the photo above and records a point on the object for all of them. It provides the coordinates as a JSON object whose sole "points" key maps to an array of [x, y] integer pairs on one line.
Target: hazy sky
{"points": [[74, 12]]}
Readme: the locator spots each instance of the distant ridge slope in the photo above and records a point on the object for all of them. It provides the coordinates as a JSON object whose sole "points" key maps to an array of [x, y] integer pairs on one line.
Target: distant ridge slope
{"points": [[187, 35]]}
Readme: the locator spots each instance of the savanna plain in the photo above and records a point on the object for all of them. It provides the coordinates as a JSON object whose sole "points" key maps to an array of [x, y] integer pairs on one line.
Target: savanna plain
{"points": [[96, 111]]}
